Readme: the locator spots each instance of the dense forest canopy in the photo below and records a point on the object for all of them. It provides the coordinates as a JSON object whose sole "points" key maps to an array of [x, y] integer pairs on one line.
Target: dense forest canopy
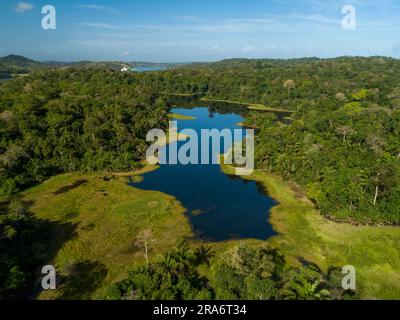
{"points": [[241, 273], [262, 81], [73, 120]]}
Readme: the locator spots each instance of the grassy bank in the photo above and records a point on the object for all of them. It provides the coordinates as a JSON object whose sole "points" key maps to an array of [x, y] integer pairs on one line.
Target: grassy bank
{"points": [[251, 106], [304, 233], [107, 215], [176, 116]]}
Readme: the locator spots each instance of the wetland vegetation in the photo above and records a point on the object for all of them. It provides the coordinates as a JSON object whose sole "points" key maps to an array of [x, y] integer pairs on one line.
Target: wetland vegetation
{"points": [[72, 144]]}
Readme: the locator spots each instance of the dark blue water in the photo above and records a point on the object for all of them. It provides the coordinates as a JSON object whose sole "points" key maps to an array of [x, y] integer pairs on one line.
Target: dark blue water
{"points": [[220, 207]]}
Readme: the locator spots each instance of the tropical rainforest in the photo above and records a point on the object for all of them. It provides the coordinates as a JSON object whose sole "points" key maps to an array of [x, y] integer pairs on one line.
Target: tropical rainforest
{"points": [[340, 148]]}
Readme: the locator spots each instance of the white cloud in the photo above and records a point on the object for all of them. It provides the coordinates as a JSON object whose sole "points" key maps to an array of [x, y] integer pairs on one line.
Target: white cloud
{"points": [[97, 7], [189, 18], [23, 6], [249, 49], [99, 25], [275, 46]]}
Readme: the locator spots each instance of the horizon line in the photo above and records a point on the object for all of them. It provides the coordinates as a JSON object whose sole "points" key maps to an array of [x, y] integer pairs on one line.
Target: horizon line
{"points": [[205, 61]]}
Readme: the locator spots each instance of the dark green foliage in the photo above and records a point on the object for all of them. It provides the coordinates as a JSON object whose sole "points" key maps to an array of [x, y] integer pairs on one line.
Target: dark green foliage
{"points": [[173, 277], [82, 280], [349, 165], [25, 247], [242, 273], [247, 273], [261, 273]]}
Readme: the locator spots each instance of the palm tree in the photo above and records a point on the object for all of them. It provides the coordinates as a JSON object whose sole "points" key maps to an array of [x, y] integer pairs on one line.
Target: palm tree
{"points": [[166, 264], [302, 289], [204, 255], [182, 255]]}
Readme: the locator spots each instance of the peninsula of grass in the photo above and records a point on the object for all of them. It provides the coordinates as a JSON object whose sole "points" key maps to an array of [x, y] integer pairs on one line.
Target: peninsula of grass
{"points": [[177, 116], [104, 215], [250, 106], [304, 234]]}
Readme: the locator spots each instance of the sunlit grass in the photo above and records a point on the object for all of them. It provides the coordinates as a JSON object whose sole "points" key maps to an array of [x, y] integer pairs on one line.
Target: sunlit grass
{"points": [[177, 116], [107, 215]]}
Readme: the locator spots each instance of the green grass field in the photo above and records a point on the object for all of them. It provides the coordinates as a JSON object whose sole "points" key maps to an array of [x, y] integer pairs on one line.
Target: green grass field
{"points": [[107, 215]]}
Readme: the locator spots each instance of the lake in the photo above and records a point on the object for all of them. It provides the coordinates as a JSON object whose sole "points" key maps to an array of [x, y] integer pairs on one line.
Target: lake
{"points": [[220, 207], [149, 68]]}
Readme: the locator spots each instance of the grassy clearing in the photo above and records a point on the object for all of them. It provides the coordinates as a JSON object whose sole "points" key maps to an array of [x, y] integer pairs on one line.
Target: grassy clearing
{"points": [[107, 215], [374, 251]]}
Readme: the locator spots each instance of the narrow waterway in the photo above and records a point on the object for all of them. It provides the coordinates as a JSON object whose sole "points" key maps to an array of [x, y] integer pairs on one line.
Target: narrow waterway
{"points": [[220, 207]]}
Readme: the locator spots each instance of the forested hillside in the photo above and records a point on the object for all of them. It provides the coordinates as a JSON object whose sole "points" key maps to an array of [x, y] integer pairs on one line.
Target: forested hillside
{"points": [[266, 81], [13, 64], [73, 120]]}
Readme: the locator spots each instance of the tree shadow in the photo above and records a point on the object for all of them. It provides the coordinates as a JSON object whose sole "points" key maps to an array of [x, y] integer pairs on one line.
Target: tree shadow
{"points": [[70, 187], [34, 244], [203, 255], [83, 279]]}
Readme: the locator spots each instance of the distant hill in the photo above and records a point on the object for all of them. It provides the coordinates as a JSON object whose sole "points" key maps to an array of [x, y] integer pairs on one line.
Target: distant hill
{"points": [[19, 61], [15, 64]]}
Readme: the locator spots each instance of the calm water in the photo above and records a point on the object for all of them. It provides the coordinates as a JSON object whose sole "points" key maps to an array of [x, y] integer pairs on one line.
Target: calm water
{"points": [[220, 207], [147, 69]]}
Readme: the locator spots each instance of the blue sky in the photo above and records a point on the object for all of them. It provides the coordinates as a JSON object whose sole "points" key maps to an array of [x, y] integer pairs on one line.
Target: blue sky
{"points": [[177, 30]]}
